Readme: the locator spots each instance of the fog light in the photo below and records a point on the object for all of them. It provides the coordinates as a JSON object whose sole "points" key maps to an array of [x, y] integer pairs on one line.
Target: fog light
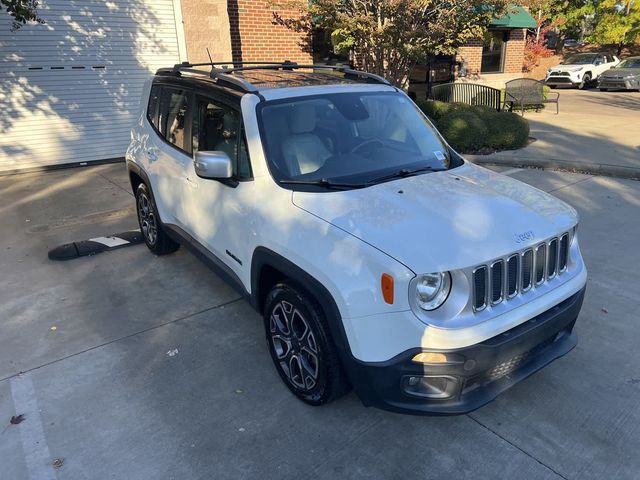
{"points": [[442, 386]]}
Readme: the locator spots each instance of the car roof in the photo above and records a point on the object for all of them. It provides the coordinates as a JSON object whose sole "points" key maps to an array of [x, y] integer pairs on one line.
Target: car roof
{"points": [[258, 77]]}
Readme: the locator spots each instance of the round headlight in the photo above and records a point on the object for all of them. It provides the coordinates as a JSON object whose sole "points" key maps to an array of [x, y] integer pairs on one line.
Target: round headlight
{"points": [[432, 289]]}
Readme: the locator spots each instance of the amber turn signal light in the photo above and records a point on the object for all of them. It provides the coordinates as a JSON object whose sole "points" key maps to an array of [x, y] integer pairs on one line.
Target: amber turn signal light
{"points": [[386, 283], [430, 357]]}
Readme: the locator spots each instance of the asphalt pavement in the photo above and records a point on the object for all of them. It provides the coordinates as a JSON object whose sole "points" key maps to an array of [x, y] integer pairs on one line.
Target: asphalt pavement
{"points": [[130, 366]]}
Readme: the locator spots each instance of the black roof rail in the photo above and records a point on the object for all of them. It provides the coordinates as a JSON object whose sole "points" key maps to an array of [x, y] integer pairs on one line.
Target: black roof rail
{"points": [[222, 72]]}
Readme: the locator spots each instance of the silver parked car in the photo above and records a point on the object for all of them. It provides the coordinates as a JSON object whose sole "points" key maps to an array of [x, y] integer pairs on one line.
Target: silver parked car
{"points": [[625, 76]]}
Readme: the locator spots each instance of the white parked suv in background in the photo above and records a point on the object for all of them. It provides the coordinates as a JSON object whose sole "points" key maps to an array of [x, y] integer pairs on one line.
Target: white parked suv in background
{"points": [[580, 69], [379, 258]]}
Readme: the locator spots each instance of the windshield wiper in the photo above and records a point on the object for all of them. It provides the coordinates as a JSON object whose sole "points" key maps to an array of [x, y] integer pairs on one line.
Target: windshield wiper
{"points": [[402, 173], [323, 182]]}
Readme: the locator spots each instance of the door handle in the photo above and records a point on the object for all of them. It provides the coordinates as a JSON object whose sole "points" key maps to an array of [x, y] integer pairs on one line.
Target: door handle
{"points": [[151, 154]]}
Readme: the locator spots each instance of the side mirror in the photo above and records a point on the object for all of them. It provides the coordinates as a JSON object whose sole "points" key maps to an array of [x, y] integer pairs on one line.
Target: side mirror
{"points": [[216, 165]]}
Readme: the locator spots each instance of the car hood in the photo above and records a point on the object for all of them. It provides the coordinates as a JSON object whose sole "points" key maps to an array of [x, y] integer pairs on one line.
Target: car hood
{"points": [[444, 220], [567, 68], [621, 72]]}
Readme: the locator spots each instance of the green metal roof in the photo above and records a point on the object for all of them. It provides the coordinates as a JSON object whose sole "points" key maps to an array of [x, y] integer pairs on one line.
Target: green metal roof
{"points": [[517, 18]]}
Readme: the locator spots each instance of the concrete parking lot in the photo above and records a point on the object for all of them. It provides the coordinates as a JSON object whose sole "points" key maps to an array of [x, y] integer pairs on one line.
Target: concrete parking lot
{"points": [[129, 366], [595, 131]]}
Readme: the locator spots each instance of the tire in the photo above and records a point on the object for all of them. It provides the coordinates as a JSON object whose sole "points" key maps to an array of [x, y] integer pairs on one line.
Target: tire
{"points": [[586, 80], [152, 231], [552, 87], [604, 89], [301, 347]]}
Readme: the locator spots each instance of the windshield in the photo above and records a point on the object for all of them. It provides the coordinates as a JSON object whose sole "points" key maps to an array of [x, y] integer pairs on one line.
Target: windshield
{"points": [[350, 137], [580, 59], [630, 63]]}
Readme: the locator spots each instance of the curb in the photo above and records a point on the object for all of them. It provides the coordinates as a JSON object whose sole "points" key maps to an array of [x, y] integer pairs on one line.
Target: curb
{"points": [[553, 164]]}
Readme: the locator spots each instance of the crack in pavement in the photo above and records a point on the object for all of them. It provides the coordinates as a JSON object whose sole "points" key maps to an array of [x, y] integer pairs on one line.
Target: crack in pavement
{"points": [[95, 347], [516, 447]]}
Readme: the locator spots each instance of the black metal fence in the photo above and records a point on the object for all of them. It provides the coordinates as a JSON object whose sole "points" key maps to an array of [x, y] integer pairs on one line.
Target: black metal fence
{"points": [[469, 93]]}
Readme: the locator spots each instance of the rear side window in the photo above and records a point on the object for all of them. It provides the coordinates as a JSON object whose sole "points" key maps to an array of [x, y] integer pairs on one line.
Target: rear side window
{"points": [[152, 107], [172, 117]]}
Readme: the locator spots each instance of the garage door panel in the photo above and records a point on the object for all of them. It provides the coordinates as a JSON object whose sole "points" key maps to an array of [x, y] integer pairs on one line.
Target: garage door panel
{"points": [[59, 114]]}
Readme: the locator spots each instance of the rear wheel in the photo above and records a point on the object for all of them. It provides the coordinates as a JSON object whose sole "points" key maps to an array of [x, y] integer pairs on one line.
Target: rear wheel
{"points": [[154, 235], [301, 347]]}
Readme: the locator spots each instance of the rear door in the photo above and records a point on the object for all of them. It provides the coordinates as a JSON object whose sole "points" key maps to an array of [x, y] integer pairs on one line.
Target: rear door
{"points": [[167, 152]]}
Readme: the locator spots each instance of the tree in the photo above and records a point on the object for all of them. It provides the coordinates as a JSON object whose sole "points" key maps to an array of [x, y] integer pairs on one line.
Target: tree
{"points": [[617, 23], [22, 11], [388, 37]]}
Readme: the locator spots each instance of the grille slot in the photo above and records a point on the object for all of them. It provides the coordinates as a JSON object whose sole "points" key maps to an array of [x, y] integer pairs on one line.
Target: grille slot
{"points": [[512, 275], [553, 258], [564, 252], [540, 259], [527, 270], [480, 288], [497, 281], [504, 278]]}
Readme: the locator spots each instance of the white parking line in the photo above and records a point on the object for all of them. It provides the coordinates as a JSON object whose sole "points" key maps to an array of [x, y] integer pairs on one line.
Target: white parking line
{"points": [[34, 444], [511, 171]]}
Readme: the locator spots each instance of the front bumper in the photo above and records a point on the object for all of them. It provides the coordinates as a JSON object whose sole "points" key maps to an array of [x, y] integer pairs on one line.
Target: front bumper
{"points": [[562, 80], [480, 372], [619, 83]]}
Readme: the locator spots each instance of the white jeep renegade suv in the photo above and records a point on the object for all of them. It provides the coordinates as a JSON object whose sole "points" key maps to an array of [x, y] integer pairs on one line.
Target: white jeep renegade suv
{"points": [[380, 259]]}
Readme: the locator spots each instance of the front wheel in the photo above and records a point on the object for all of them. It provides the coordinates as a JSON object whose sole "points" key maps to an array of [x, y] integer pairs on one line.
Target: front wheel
{"points": [[301, 347], [152, 231], [586, 80]]}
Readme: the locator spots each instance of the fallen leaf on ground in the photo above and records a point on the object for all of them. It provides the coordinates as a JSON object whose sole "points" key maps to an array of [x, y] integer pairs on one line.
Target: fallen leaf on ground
{"points": [[172, 353], [54, 328], [57, 462], [16, 419], [604, 310]]}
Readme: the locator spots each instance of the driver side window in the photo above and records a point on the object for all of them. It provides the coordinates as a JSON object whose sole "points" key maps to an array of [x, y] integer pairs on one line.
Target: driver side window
{"points": [[218, 127]]}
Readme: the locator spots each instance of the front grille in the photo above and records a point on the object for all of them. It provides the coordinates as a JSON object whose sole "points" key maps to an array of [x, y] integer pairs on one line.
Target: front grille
{"points": [[512, 275], [527, 270], [497, 281], [552, 260], [564, 252], [504, 279], [560, 79], [479, 288], [506, 367]]}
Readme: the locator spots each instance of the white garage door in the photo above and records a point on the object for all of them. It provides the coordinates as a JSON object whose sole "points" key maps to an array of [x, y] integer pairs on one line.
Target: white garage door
{"points": [[70, 89]]}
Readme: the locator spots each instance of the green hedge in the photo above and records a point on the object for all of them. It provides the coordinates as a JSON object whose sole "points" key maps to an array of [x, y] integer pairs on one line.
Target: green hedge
{"points": [[471, 129]]}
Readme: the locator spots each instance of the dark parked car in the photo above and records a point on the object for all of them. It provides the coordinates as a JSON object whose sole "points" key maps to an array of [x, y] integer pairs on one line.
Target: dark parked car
{"points": [[626, 76]]}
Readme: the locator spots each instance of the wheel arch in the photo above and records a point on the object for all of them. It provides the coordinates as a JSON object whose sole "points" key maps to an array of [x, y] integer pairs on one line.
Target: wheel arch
{"points": [[138, 176], [268, 268]]}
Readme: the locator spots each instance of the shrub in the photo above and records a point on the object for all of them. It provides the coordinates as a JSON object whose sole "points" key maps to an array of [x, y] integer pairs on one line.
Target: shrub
{"points": [[464, 130], [470, 129]]}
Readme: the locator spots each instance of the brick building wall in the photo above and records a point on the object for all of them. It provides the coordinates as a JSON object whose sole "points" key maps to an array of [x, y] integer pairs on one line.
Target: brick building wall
{"points": [[255, 36], [472, 54], [513, 53], [206, 24]]}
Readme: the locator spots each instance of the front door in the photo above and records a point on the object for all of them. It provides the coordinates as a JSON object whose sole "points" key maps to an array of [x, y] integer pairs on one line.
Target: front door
{"points": [[217, 211]]}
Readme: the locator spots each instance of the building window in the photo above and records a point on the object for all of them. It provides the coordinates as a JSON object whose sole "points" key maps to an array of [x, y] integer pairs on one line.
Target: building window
{"points": [[493, 48]]}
